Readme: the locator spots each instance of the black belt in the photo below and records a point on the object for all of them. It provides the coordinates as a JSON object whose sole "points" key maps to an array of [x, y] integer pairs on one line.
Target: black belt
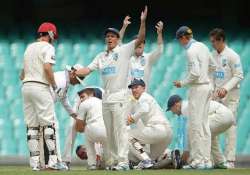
{"points": [[35, 82]]}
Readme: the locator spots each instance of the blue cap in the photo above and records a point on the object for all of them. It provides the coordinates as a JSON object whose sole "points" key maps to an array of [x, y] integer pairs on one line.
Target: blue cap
{"points": [[172, 100], [97, 92], [136, 82], [182, 31], [112, 30]]}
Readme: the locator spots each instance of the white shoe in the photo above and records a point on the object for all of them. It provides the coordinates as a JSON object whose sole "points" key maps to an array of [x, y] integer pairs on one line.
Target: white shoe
{"points": [[122, 166], [198, 166], [230, 164], [35, 169], [91, 167]]}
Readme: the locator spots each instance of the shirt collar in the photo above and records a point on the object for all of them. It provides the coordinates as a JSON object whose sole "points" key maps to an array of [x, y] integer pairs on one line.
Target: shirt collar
{"points": [[107, 52], [223, 51], [187, 46]]}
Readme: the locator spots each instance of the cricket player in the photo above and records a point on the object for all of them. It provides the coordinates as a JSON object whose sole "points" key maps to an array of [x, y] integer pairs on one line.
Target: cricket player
{"points": [[90, 121], [63, 80], [156, 132], [71, 133], [227, 78], [113, 65], [199, 95], [141, 63], [37, 77], [220, 119], [83, 155]]}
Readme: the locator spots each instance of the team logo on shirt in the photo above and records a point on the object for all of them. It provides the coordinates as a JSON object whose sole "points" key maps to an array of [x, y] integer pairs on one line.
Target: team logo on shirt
{"points": [[53, 58], [143, 61], [224, 62], [115, 56]]}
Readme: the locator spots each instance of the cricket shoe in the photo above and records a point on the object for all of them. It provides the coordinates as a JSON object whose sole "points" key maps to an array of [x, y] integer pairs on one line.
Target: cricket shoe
{"points": [[91, 167], [221, 165], [122, 166], [35, 169], [230, 164], [144, 164], [176, 159], [58, 166], [198, 166]]}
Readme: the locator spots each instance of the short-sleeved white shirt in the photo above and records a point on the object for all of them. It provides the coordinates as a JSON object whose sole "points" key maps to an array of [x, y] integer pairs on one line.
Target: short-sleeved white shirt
{"points": [[35, 56]]}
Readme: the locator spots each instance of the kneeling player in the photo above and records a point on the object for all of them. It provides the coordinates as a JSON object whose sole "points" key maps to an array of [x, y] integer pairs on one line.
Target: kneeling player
{"points": [[90, 121], [220, 119], [156, 131]]}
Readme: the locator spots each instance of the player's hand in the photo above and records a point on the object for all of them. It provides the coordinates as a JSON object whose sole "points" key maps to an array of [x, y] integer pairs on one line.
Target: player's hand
{"points": [[126, 21], [130, 120], [222, 92], [159, 27], [144, 14], [79, 125], [177, 84]]}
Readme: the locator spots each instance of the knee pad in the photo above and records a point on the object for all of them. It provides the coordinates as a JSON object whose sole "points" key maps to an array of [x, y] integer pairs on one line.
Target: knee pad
{"points": [[33, 140], [50, 138]]}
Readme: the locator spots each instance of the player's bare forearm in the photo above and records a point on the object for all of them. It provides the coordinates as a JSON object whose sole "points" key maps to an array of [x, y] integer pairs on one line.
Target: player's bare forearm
{"points": [[159, 28], [83, 71], [21, 74], [142, 30], [49, 74], [126, 22]]}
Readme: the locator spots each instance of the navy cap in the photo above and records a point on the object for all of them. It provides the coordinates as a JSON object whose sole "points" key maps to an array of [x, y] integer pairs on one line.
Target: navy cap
{"points": [[172, 100], [182, 31], [112, 30], [96, 91], [136, 82]]}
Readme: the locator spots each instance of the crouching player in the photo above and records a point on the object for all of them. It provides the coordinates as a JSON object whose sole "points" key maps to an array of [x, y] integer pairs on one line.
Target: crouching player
{"points": [[156, 131], [220, 119], [90, 121]]}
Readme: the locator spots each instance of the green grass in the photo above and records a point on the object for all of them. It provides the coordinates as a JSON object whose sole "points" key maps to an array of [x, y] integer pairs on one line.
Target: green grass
{"points": [[24, 170]]}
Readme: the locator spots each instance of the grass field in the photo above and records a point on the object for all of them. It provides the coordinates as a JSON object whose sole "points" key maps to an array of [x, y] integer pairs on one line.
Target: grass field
{"points": [[22, 170]]}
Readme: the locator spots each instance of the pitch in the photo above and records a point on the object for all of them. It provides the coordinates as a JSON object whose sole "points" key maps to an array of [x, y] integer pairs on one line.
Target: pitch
{"points": [[25, 170]]}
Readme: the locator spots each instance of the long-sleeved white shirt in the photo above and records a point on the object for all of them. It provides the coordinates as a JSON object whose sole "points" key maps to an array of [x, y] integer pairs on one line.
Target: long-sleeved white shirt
{"points": [[214, 107], [229, 71], [140, 67], [148, 110], [62, 81], [199, 58], [90, 110]]}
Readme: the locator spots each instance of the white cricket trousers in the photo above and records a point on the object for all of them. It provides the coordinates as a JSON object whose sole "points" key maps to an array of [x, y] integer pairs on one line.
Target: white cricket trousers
{"points": [[158, 136], [199, 97], [115, 117], [95, 133], [231, 101], [218, 124], [69, 141]]}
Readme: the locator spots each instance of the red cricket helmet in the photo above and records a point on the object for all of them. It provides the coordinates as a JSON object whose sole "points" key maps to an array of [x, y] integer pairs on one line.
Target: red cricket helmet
{"points": [[49, 28]]}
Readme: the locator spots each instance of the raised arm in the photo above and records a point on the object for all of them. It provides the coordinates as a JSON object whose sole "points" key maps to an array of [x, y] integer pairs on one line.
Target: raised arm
{"points": [[142, 31], [126, 22]]}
